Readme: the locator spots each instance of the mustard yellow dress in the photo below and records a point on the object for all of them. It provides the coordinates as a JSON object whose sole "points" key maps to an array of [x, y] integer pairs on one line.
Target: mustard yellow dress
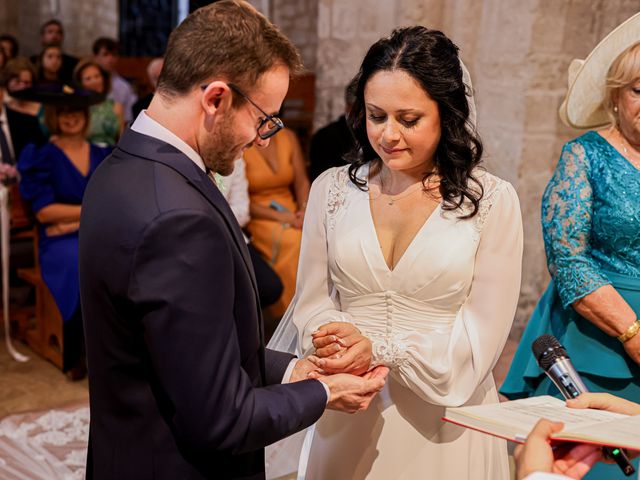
{"points": [[279, 244]]}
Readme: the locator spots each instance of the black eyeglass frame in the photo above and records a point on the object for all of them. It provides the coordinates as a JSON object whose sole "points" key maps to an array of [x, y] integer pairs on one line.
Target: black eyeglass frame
{"points": [[279, 124]]}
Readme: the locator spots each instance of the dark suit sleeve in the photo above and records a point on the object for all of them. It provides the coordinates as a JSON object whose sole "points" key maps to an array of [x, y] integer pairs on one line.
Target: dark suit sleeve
{"points": [[276, 364], [182, 283]]}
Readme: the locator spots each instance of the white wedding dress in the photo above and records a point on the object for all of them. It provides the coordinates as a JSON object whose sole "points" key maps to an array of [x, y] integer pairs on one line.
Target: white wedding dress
{"points": [[439, 320]]}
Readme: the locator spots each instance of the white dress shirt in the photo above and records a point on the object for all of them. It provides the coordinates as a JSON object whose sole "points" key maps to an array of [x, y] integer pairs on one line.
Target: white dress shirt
{"points": [[4, 121], [236, 191], [546, 476], [122, 92]]}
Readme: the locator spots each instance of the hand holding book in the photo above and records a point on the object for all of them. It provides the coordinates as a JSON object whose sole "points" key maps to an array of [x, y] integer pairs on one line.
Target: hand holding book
{"points": [[592, 420]]}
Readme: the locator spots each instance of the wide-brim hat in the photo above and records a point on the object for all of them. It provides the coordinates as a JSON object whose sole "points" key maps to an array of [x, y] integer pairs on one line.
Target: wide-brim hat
{"points": [[59, 96], [583, 106]]}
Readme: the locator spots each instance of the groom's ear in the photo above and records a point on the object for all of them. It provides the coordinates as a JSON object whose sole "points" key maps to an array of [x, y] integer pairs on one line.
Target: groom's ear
{"points": [[216, 97]]}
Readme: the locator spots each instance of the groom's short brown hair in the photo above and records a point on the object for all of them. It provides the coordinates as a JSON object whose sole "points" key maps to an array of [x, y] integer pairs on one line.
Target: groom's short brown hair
{"points": [[228, 39]]}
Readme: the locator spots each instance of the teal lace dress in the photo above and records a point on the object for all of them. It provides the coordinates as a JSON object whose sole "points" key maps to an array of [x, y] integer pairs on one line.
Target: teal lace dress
{"points": [[591, 228]]}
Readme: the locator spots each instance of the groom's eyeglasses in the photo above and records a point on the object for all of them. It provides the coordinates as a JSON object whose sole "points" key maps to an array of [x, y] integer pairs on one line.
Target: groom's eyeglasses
{"points": [[269, 125]]}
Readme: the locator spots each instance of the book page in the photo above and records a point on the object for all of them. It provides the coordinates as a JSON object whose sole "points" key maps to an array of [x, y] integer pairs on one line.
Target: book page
{"points": [[622, 432], [515, 419]]}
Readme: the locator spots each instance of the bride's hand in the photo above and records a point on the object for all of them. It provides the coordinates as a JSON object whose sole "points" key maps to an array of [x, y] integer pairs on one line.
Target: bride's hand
{"points": [[340, 347], [330, 339]]}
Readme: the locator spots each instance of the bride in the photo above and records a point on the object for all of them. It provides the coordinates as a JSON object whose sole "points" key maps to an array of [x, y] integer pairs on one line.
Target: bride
{"points": [[411, 258]]}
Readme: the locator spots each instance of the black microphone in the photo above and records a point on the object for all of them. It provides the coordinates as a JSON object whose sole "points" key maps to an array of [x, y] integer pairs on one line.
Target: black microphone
{"points": [[554, 360]]}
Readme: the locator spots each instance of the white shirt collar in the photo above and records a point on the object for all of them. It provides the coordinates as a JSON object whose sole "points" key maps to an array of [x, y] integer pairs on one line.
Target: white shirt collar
{"points": [[148, 126]]}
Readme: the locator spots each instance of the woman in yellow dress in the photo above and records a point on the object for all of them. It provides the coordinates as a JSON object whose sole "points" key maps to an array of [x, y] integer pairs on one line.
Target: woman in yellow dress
{"points": [[278, 192]]}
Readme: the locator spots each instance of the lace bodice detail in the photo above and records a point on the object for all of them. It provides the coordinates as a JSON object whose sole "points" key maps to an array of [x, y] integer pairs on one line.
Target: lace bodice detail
{"points": [[591, 217]]}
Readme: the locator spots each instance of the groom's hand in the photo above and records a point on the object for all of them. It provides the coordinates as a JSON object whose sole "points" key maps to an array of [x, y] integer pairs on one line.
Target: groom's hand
{"points": [[304, 370], [350, 393], [341, 348]]}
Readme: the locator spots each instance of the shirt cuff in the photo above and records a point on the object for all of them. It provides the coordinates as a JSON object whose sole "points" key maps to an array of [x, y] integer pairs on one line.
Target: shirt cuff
{"points": [[546, 476], [289, 371]]}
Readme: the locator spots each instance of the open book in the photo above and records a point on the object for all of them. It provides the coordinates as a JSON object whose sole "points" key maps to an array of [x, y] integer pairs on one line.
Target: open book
{"points": [[514, 420]]}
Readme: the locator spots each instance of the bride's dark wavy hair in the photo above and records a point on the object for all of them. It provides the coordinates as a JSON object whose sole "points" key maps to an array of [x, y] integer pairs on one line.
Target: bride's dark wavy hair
{"points": [[432, 60]]}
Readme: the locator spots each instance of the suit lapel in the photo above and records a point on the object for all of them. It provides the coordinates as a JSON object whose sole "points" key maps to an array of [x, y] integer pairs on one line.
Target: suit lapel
{"points": [[158, 151]]}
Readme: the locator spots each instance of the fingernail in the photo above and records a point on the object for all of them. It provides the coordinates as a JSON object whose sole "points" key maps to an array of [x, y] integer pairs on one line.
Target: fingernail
{"points": [[337, 356], [337, 348], [341, 342]]}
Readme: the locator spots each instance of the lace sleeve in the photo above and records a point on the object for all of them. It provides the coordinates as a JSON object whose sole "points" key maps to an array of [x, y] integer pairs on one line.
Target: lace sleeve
{"points": [[566, 225]]}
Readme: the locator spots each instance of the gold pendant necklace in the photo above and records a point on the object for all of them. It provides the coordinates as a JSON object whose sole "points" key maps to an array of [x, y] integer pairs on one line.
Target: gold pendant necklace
{"points": [[391, 200]]}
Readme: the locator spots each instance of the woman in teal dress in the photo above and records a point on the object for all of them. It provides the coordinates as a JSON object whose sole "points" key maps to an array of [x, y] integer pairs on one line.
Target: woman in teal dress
{"points": [[591, 228], [107, 118]]}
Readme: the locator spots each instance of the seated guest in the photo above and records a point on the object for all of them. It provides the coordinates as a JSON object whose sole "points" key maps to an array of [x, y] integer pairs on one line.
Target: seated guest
{"points": [[19, 74], [52, 33], [107, 118], [9, 45], [591, 227], [54, 178], [235, 189], [153, 72], [16, 130], [105, 52], [49, 65], [278, 191], [332, 142]]}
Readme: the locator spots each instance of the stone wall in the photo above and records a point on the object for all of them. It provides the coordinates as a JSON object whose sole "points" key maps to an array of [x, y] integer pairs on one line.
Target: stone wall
{"points": [[83, 21], [518, 54]]}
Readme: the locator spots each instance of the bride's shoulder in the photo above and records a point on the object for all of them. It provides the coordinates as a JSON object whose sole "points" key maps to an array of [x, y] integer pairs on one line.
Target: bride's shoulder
{"points": [[494, 190], [336, 178], [493, 187]]}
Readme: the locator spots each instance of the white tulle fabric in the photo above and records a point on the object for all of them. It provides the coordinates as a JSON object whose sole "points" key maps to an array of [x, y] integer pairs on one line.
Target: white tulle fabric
{"points": [[48, 445], [438, 320]]}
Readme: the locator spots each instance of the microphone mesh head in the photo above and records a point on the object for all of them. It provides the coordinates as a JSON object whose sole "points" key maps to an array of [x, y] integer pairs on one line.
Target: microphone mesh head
{"points": [[546, 350]]}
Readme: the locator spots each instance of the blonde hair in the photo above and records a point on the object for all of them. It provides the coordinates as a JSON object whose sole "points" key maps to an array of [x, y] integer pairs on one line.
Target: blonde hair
{"points": [[624, 70]]}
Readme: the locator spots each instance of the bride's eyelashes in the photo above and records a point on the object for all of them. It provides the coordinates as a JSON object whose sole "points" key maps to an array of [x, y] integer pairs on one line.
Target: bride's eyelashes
{"points": [[408, 123]]}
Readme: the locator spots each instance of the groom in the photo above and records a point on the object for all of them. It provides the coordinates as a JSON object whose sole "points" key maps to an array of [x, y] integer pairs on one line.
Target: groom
{"points": [[181, 386]]}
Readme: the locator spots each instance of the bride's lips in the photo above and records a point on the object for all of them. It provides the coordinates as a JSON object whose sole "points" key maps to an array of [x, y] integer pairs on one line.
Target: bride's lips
{"points": [[391, 151]]}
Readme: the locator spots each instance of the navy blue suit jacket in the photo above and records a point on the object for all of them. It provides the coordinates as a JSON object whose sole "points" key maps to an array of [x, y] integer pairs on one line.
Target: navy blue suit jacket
{"points": [[181, 386]]}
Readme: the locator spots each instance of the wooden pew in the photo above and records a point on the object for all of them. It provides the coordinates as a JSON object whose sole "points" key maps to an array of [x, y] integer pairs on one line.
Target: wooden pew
{"points": [[40, 327]]}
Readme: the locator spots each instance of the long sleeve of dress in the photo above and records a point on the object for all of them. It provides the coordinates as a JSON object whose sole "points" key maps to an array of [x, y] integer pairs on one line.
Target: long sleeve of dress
{"points": [[36, 183], [316, 301], [566, 225], [445, 368]]}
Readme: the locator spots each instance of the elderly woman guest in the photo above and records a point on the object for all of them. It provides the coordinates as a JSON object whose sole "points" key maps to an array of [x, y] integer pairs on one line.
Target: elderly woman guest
{"points": [[54, 178], [107, 118], [410, 259], [591, 226]]}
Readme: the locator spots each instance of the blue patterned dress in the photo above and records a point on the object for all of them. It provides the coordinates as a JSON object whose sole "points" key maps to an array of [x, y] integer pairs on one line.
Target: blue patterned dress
{"points": [[591, 227]]}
